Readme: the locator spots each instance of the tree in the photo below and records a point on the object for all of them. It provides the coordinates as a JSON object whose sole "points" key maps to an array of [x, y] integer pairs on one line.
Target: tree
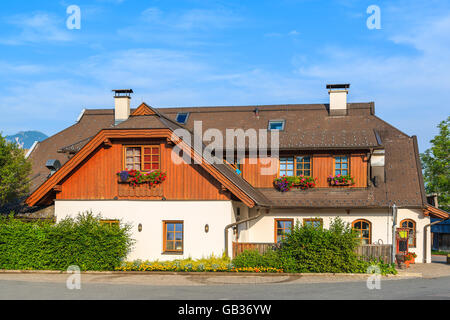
{"points": [[436, 165], [14, 172]]}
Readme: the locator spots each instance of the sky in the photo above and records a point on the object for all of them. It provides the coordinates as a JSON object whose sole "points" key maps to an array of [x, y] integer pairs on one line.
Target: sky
{"points": [[215, 53]]}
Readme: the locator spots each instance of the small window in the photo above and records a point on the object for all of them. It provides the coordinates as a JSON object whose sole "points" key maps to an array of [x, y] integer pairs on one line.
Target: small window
{"points": [[410, 225], [173, 236], [276, 125], [341, 165], [364, 229], [303, 166], [182, 117], [282, 228], [316, 223], [287, 166], [142, 158]]}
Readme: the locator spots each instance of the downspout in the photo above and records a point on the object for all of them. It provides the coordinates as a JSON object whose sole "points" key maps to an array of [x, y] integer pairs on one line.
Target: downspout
{"points": [[260, 214], [425, 237], [394, 240]]}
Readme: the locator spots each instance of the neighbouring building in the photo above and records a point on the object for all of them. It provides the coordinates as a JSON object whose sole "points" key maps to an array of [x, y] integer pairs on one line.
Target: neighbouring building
{"points": [[204, 208]]}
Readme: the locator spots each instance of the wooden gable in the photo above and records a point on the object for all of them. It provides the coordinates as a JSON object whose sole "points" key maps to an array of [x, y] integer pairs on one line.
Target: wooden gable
{"points": [[143, 110]]}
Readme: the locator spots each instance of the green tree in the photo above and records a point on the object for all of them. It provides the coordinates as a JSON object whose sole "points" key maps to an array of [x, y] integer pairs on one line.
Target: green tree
{"points": [[436, 165], [14, 172]]}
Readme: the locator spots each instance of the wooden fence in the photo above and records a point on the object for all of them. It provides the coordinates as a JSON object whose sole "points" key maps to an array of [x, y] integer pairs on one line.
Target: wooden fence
{"points": [[367, 251], [375, 251]]}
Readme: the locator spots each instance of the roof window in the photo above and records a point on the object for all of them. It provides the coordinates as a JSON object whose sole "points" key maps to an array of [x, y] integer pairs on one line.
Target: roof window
{"points": [[182, 117], [276, 125]]}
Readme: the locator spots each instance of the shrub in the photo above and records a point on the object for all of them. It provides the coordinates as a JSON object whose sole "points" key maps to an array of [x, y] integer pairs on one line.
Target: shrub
{"points": [[82, 241], [312, 249]]}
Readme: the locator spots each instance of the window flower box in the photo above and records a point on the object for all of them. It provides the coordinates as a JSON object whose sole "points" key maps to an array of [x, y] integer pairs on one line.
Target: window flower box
{"points": [[340, 180], [135, 177], [285, 184]]}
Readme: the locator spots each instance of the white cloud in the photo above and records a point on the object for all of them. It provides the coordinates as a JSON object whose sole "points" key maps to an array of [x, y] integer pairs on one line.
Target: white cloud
{"points": [[37, 27]]}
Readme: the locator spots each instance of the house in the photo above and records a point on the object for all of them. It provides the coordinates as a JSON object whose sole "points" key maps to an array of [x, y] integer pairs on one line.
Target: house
{"points": [[204, 205]]}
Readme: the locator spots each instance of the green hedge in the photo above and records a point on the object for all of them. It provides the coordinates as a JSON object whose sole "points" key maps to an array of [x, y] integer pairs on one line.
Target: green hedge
{"points": [[312, 249], [82, 241]]}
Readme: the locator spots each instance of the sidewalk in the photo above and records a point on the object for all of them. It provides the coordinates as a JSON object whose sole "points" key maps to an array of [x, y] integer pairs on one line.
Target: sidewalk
{"points": [[438, 268], [193, 279]]}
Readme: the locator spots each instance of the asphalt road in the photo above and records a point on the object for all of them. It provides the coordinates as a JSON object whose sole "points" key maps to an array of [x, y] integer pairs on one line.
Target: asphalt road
{"points": [[417, 288]]}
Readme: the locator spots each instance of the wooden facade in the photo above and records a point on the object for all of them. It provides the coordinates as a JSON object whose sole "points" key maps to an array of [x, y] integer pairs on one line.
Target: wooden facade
{"points": [[96, 178], [322, 168]]}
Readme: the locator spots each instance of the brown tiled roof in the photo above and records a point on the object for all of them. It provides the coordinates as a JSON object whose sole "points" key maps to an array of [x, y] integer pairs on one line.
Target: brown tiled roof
{"points": [[307, 127]]}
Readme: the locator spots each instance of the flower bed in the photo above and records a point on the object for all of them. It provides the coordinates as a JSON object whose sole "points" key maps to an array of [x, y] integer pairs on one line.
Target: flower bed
{"points": [[135, 177], [340, 180], [191, 266], [285, 184]]}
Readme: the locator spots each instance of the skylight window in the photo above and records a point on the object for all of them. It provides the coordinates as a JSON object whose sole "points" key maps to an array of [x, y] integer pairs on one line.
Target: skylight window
{"points": [[276, 125], [182, 117]]}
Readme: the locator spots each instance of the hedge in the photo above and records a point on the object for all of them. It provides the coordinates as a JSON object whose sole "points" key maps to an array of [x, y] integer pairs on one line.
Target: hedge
{"points": [[313, 249], [82, 241]]}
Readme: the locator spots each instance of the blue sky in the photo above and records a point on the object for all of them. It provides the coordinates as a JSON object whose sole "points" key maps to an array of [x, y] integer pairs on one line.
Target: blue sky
{"points": [[197, 53]]}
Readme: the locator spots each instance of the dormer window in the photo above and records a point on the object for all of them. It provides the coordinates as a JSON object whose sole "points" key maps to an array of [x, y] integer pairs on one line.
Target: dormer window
{"points": [[276, 125], [182, 117]]}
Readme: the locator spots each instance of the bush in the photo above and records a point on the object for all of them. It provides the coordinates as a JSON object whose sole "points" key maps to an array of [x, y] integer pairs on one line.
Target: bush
{"points": [[82, 241], [312, 249]]}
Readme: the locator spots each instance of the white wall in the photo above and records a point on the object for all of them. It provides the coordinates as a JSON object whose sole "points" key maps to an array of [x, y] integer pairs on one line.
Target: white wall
{"points": [[262, 229], [151, 214]]}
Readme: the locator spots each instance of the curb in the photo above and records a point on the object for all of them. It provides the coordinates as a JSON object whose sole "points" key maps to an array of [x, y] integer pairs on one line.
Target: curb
{"points": [[220, 274]]}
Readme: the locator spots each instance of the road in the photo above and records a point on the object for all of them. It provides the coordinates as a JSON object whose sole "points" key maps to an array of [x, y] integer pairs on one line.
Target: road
{"points": [[417, 288]]}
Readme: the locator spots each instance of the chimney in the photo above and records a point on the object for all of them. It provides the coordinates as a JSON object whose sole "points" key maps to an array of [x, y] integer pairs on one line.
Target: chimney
{"points": [[338, 99], [377, 164], [122, 98]]}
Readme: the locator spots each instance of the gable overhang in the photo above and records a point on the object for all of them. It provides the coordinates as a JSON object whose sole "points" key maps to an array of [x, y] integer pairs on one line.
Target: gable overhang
{"points": [[45, 192], [434, 212]]}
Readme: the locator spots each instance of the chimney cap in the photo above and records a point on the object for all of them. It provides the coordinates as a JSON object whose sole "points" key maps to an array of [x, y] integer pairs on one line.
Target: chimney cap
{"points": [[338, 86], [126, 92]]}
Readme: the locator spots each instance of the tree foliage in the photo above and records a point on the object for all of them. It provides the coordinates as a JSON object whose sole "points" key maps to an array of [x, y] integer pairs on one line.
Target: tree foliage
{"points": [[14, 172], [436, 165]]}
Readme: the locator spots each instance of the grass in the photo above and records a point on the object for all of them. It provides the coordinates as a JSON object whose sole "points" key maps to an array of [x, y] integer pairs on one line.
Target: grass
{"points": [[440, 253]]}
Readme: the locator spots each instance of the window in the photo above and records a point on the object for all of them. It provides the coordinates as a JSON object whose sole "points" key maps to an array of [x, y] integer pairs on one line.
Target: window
{"points": [[287, 166], [276, 125], [341, 165], [363, 227], [173, 236], [182, 117], [303, 166], [282, 228], [316, 223], [145, 158], [110, 222], [411, 226]]}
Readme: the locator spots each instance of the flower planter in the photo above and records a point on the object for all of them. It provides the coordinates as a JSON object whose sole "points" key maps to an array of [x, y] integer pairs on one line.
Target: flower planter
{"points": [[341, 181]]}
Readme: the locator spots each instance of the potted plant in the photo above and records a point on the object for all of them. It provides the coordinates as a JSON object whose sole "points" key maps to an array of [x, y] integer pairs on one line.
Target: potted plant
{"points": [[340, 180], [410, 257]]}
